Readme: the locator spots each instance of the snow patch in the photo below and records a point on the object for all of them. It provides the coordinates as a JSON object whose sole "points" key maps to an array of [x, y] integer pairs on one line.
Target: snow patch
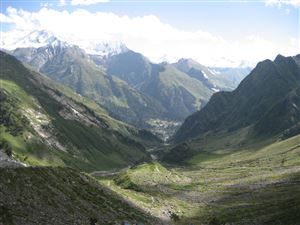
{"points": [[107, 48], [215, 89], [295, 106], [213, 71], [204, 74]]}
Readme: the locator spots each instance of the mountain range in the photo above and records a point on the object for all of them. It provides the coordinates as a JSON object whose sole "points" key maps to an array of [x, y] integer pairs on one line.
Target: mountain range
{"points": [[126, 83], [177, 92], [71, 66]]}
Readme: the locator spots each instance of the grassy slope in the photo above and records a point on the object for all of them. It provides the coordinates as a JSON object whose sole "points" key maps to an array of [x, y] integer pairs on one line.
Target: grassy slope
{"points": [[257, 185], [61, 196], [173, 77], [87, 147]]}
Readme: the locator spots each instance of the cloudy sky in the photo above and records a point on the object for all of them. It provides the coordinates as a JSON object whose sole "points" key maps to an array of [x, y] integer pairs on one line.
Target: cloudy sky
{"points": [[216, 32]]}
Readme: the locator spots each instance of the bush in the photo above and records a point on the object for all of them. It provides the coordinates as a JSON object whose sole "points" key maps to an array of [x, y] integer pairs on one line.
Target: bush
{"points": [[174, 217], [214, 221], [93, 221], [8, 152], [6, 147]]}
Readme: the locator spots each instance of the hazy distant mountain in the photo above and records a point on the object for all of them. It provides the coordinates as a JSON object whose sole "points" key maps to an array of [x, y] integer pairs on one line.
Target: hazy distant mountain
{"points": [[267, 100], [234, 74], [215, 79], [132, 67]]}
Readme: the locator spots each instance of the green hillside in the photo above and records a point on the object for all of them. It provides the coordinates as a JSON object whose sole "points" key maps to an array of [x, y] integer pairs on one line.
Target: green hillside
{"points": [[62, 196], [45, 124], [179, 93]]}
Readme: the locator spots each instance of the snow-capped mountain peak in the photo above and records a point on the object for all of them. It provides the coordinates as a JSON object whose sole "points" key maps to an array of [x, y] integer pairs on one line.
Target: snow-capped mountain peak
{"points": [[39, 37], [43, 38], [35, 39], [104, 48]]}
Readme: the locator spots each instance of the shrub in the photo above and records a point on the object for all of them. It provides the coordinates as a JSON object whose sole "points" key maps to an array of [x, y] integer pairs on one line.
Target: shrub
{"points": [[174, 217], [6, 147]]}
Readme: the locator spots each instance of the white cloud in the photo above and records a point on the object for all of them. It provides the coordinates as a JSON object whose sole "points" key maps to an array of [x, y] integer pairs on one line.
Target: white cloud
{"points": [[5, 19], [62, 2], [147, 35], [279, 3], [87, 2]]}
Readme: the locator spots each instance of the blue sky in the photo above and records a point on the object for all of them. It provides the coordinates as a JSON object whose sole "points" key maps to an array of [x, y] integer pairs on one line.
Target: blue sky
{"points": [[233, 22]]}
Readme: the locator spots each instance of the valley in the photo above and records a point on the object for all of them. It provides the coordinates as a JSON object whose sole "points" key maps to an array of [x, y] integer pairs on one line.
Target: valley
{"points": [[106, 136]]}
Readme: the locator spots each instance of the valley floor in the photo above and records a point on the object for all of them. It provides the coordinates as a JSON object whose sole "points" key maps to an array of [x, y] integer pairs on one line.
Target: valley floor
{"points": [[253, 186]]}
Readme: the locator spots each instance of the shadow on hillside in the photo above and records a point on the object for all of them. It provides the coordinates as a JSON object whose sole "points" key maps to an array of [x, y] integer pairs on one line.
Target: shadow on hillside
{"points": [[276, 203]]}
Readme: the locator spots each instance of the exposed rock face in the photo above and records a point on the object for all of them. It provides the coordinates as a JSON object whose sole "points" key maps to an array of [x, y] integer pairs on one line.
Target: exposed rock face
{"points": [[6, 161]]}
